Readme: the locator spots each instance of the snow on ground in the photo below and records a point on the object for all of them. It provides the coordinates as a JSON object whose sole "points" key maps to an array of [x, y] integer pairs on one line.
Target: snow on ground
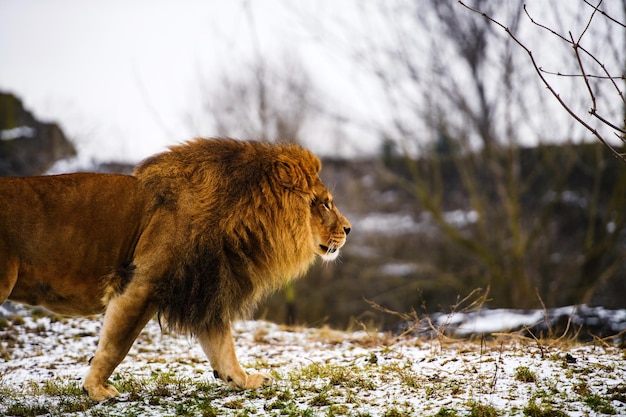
{"points": [[589, 321], [319, 372]]}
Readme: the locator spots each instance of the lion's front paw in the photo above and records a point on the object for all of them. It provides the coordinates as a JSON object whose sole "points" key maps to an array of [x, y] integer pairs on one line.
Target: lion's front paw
{"points": [[102, 392], [259, 380], [247, 381]]}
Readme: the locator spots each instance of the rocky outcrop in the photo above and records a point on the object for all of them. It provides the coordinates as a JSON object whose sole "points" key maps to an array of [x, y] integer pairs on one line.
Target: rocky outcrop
{"points": [[28, 146]]}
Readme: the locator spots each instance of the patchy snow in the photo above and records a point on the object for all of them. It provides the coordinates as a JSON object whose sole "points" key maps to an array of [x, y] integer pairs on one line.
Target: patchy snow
{"points": [[598, 321], [494, 321], [396, 224], [397, 268], [388, 223], [461, 218], [318, 372], [18, 132]]}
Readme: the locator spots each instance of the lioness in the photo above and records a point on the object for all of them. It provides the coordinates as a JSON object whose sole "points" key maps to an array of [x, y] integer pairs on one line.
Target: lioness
{"points": [[198, 234]]}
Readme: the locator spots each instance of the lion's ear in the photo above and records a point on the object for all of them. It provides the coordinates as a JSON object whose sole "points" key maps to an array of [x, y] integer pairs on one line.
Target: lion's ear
{"points": [[291, 175]]}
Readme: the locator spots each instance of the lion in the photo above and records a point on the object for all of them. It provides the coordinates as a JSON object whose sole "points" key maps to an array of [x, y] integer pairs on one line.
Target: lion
{"points": [[197, 235]]}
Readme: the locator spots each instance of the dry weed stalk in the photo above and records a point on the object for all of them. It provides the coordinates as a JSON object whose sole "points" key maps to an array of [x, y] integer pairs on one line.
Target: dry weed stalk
{"points": [[474, 301], [604, 341]]}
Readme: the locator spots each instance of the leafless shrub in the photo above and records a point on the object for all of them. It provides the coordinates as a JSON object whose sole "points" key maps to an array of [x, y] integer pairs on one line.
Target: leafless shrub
{"points": [[594, 73]]}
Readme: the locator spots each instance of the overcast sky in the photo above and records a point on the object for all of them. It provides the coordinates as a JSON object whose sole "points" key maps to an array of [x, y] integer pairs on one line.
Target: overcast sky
{"points": [[122, 77]]}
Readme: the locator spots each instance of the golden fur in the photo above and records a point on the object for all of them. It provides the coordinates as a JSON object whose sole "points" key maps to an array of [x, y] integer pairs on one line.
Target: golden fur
{"points": [[198, 234]]}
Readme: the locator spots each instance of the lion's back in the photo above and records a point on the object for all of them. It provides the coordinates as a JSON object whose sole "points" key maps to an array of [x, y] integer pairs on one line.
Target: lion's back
{"points": [[66, 232], [72, 207]]}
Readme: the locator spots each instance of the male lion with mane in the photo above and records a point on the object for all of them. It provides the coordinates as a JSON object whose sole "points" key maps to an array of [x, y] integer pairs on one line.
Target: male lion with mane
{"points": [[198, 234]]}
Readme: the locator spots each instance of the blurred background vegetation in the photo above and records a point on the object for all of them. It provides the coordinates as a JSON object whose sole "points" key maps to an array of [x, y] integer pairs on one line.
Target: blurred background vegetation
{"points": [[477, 183]]}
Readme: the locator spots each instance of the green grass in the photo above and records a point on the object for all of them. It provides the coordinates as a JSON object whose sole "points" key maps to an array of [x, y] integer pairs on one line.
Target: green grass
{"points": [[446, 412], [58, 398], [524, 374], [600, 405], [482, 410], [317, 389], [534, 410], [432, 379]]}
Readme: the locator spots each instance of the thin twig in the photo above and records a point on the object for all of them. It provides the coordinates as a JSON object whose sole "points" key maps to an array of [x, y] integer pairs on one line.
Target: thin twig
{"points": [[595, 76], [536, 23], [602, 12], [576, 46], [554, 93], [605, 340], [595, 9], [606, 122], [546, 320]]}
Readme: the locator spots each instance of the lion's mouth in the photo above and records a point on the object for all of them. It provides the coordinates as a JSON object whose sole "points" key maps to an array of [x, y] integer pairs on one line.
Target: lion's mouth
{"points": [[327, 249]]}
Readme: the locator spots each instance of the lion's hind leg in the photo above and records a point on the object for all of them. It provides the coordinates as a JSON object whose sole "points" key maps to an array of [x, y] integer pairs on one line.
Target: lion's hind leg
{"points": [[125, 317], [219, 347], [8, 278]]}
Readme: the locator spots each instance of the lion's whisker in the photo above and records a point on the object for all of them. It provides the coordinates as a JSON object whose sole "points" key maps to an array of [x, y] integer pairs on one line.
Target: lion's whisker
{"points": [[331, 248]]}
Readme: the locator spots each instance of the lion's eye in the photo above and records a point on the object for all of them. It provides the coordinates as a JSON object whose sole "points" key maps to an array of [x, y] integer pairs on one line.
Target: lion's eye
{"points": [[327, 205]]}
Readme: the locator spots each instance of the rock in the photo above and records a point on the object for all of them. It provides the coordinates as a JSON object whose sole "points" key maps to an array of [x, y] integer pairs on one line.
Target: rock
{"points": [[28, 146]]}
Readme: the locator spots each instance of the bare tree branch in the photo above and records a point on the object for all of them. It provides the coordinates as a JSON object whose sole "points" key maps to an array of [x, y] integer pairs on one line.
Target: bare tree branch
{"points": [[595, 76], [576, 46], [550, 88], [595, 9], [602, 12]]}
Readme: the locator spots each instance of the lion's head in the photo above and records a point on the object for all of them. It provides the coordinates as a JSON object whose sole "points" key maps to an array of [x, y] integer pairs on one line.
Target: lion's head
{"points": [[254, 216], [330, 228]]}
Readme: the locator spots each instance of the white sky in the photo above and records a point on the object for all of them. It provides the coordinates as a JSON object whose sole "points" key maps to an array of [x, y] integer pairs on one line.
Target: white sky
{"points": [[125, 78], [122, 77]]}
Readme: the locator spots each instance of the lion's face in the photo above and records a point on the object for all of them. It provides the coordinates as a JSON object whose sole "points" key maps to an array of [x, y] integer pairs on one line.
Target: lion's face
{"points": [[330, 228]]}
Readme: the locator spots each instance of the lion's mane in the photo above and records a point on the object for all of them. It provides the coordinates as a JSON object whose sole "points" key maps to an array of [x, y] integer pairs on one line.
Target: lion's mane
{"points": [[244, 208]]}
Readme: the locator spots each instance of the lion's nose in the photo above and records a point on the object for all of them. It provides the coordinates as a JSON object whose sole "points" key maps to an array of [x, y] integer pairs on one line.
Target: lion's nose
{"points": [[347, 230]]}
